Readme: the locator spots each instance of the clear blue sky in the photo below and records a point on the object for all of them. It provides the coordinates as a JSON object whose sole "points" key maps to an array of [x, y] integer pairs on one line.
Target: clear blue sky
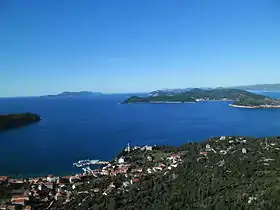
{"points": [[112, 46]]}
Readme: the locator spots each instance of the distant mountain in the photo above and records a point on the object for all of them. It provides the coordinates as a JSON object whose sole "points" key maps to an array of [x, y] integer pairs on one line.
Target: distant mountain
{"points": [[76, 94], [262, 87]]}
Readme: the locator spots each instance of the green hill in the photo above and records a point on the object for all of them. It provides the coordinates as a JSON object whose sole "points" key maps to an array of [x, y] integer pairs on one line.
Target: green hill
{"points": [[231, 173]]}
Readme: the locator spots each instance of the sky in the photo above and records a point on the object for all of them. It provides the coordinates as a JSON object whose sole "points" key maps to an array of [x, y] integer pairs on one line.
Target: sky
{"points": [[110, 46]]}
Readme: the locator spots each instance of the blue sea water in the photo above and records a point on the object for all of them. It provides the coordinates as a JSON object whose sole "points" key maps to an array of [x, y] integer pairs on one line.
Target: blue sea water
{"points": [[99, 127]]}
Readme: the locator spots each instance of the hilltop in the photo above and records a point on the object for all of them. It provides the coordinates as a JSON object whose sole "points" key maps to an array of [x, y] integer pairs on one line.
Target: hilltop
{"points": [[240, 98]]}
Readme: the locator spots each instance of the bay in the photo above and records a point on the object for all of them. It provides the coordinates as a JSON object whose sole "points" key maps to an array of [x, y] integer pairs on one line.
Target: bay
{"points": [[99, 127]]}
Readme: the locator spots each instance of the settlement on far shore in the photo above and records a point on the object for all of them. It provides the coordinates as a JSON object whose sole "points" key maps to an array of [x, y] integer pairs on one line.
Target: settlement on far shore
{"points": [[255, 107]]}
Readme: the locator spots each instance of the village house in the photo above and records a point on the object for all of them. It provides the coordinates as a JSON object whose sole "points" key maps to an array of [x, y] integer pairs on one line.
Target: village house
{"points": [[134, 180], [147, 148], [149, 158], [174, 165], [35, 180], [49, 185], [149, 170], [126, 184], [136, 170], [203, 153], [223, 152], [136, 147], [96, 190], [11, 207], [3, 179], [16, 181], [51, 178], [3, 207], [58, 196], [19, 200], [74, 179], [121, 160], [208, 147], [222, 138]]}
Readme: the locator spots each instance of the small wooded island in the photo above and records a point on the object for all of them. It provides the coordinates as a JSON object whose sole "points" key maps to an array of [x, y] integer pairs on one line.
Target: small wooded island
{"points": [[240, 98], [10, 121]]}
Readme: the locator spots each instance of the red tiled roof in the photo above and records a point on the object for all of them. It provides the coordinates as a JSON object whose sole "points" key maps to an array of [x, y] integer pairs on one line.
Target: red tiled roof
{"points": [[18, 201], [11, 207], [75, 177], [18, 197], [135, 180]]}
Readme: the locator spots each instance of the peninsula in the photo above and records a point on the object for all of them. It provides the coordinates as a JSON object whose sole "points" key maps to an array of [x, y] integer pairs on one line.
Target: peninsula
{"points": [[239, 98], [10, 121]]}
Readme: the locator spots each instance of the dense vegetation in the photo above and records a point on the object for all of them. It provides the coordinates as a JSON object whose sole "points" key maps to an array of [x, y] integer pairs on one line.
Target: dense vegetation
{"points": [[10, 121], [236, 180], [240, 97]]}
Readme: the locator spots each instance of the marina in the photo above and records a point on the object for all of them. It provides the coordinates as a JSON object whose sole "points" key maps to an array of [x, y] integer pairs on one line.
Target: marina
{"points": [[83, 163]]}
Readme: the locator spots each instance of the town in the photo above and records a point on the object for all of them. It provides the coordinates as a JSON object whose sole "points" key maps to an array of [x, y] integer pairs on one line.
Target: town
{"points": [[141, 169], [52, 191]]}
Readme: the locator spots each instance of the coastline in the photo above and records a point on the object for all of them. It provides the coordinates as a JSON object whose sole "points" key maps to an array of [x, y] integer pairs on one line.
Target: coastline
{"points": [[178, 102], [170, 102], [255, 107]]}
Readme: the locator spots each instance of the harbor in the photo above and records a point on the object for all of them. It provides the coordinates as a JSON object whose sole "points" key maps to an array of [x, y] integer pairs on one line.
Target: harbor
{"points": [[83, 163]]}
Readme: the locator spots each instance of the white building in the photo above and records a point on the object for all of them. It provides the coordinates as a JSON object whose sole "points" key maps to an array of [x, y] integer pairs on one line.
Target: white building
{"points": [[222, 138], [244, 151], [121, 160]]}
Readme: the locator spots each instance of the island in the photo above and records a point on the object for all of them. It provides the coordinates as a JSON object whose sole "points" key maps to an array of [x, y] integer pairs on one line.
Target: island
{"points": [[10, 121], [74, 94], [239, 98], [224, 172]]}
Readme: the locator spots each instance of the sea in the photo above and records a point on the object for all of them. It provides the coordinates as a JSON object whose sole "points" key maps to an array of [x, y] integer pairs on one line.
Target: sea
{"points": [[99, 127]]}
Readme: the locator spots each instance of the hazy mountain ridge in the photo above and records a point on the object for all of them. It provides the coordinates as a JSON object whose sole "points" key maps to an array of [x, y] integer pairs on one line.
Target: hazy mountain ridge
{"points": [[263, 87], [75, 94]]}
